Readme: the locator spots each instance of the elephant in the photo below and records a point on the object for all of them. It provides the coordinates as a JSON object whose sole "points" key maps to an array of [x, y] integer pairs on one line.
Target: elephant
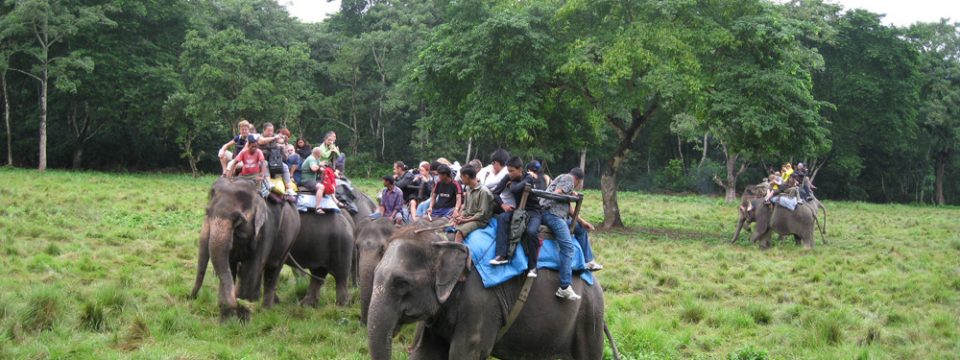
{"points": [[324, 246], [417, 281], [749, 204], [244, 236], [799, 222], [371, 242]]}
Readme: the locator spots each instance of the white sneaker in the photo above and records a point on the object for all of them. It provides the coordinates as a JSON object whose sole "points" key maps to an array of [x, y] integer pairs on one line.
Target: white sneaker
{"points": [[499, 260], [567, 293], [532, 273], [594, 266]]}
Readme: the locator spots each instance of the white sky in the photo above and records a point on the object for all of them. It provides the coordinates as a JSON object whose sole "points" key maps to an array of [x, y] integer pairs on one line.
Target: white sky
{"points": [[899, 12]]}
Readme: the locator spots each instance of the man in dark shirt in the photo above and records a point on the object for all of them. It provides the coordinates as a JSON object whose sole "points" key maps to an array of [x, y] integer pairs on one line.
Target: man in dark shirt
{"points": [[511, 188], [447, 195]]}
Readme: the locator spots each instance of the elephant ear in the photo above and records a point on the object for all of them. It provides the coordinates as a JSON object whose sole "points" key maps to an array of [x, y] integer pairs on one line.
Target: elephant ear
{"points": [[260, 215], [761, 215], [450, 263]]}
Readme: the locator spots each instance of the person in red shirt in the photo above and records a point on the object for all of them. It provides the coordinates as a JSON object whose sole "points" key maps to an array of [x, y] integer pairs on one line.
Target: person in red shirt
{"points": [[252, 162]]}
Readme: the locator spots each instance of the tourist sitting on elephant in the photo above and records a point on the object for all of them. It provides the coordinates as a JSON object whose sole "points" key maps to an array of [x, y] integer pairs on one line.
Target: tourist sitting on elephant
{"points": [[405, 181], [293, 162], [493, 174], [422, 184], [510, 194], [273, 147], [330, 151], [427, 193], [478, 207], [252, 163], [555, 214], [581, 232], [447, 196], [240, 141], [391, 203], [318, 177]]}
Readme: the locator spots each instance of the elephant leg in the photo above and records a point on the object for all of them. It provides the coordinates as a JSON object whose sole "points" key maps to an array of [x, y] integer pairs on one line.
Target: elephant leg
{"points": [[796, 239], [428, 346], [343, 289], [270, 276], [316, 282], [765, 241], [475, 336]]}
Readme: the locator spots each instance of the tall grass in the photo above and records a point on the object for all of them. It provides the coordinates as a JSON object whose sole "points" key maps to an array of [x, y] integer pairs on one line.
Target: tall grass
{"points": [[100, 268]]}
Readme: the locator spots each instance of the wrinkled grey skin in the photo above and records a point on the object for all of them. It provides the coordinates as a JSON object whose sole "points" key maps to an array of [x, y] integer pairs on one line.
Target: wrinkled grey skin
{"points": [[241, 231], [365, 207], [371, 242], [324, 246], [417, 281], [801, 223]]}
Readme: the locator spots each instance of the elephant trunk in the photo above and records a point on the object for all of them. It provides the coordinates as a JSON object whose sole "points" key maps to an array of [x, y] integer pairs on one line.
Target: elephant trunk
{"points": [[384, 316], [203, 258], [367, 266]]}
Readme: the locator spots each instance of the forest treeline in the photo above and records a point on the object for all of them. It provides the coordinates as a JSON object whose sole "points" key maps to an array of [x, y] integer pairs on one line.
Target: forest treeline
{"points": [[677, 96]]}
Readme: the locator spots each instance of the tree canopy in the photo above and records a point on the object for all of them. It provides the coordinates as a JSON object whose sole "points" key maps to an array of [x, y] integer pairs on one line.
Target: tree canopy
{"points": [[678, 96]]}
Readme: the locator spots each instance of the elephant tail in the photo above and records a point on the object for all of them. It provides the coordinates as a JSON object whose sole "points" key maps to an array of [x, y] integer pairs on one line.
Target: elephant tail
{"points": [[820, 205], [823, 229], [613, 344]]}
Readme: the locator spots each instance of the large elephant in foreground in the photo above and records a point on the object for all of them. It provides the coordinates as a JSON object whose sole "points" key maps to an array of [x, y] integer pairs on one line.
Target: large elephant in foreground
{"points": [[324, 246], [245, 237], [800, 222], [417, 280]]}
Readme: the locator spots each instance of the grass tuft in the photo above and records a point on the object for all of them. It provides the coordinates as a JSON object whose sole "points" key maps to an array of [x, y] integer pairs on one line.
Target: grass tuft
{"points": [[761, 315], [135, 335], [93, 316], [692, 312], [52, 250], [749, 353], [112, 297], [44, 308]]}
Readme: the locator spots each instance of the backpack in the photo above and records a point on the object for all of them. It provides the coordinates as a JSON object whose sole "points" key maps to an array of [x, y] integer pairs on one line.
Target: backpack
{"points": [[275, 160]]}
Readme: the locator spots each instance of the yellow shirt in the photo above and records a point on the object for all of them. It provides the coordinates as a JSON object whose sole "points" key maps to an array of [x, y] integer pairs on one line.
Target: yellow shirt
{"points": [[786, 175]]}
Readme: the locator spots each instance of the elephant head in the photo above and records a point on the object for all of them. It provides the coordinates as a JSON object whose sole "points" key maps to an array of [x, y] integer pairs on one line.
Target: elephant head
{"points": [[416, 276], [760, 214], [235, 223]]}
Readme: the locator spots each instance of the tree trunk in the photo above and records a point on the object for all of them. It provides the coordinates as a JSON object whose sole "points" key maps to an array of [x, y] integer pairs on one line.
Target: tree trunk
{"points": [[731, 182], [583, 160], [706, 146], [6, 116], [42, 166], [469, 149], [608, 189], [77, 157], [941, 165]]}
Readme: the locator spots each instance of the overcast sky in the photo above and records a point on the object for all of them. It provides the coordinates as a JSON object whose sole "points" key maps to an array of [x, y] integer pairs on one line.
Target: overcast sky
{"points": [[899, 12]]}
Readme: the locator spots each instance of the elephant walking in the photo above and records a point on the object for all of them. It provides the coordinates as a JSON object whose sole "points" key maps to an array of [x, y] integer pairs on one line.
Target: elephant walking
{"points": [[245, 237], [800, 222], [324, 246], [417, 280]]}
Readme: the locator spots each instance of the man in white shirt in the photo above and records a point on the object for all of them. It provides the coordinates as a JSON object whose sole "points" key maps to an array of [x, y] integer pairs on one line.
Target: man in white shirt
{"points": [[492, 174]]}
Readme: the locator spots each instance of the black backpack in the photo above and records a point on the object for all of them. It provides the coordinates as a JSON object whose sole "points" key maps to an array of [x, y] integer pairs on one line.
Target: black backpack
{"points": [[275, 160]]}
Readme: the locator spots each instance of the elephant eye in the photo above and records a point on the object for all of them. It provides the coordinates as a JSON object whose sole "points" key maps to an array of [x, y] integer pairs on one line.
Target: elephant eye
{"points": [[401, 284]]}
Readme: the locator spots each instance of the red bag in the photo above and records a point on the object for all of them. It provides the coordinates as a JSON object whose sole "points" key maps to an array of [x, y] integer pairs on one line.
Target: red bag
{"points": [[329, 181]]}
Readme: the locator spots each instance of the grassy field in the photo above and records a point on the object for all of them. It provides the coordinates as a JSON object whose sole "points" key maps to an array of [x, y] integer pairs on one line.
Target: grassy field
{"points": [[99, 266]]}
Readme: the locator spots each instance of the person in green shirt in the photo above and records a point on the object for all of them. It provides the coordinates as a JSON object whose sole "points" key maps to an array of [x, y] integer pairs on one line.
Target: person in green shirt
{"points": [[329, 150], [311, 168], [478, 208]]}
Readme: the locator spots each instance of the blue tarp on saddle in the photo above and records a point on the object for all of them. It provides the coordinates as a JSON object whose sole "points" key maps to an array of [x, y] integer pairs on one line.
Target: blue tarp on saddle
{"points": [[307, 202], [482, 244], [788, 202]]}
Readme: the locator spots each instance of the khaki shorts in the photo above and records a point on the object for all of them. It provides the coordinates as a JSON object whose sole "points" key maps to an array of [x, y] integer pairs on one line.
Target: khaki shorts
{"points": [[469, 227]]}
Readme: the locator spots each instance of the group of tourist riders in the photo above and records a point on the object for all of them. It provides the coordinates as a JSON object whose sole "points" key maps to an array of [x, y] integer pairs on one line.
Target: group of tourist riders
{"points": [[469, 197]]}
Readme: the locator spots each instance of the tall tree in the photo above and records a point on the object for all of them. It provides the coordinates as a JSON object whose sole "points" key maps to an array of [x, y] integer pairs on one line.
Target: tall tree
{"points": [[45, 25], [627, 60], [939, 45], [759, 64]]}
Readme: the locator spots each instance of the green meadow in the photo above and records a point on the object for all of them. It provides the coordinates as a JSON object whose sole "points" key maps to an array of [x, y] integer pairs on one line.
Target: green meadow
{"points": [[96, 265]]}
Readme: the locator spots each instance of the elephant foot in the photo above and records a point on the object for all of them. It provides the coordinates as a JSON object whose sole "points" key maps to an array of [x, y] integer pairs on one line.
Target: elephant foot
{"points": [[243, 313], [240, 312]]}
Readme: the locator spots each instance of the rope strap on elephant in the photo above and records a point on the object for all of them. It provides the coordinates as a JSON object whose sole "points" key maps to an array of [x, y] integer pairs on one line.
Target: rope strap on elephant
{"points": [[517, 307]]}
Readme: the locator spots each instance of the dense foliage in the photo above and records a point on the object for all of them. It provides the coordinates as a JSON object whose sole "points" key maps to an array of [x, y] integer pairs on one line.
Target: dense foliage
{"points": [[679, 96]]}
